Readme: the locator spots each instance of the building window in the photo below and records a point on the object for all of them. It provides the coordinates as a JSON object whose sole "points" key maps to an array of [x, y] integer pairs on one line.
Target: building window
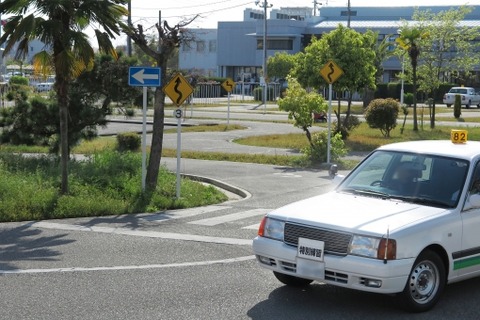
{"points": [[212, 46], [186, 47], [277, 44], [345, 13], [201, 46], [256, 16]]}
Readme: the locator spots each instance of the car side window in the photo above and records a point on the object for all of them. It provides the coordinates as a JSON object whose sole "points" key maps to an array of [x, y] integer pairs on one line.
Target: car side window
{"points": [[473, 196]]}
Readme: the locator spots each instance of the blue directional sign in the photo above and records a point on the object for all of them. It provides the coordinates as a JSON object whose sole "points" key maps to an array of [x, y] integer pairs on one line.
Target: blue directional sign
{"points": [[144, 77]]}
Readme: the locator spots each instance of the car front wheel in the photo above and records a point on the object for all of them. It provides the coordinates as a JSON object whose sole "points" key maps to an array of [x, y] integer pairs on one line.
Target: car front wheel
{"points": [[291, 280], [425, 283]]}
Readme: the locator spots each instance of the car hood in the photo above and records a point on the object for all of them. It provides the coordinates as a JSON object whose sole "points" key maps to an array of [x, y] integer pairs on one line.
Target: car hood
{"points": [[355, 213]]}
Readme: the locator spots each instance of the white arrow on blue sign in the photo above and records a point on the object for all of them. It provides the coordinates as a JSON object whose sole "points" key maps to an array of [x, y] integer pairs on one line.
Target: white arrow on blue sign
{"points": [[144, 77]]}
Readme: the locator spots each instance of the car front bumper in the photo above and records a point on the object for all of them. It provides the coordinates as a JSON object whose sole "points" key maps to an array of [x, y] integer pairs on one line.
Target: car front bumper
{"points": [[349, 271]]}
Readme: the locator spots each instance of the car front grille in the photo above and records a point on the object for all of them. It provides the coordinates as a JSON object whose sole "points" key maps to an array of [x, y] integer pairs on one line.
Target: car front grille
{"points": [[335, 242]]}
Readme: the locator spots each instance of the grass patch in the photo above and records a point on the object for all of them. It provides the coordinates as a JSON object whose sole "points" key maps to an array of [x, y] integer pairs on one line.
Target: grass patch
{"points": [[107, 184], [281, 160], [293, 141], [208, 128]]}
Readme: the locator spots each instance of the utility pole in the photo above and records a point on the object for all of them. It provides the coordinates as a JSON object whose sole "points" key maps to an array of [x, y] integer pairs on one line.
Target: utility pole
{"points": [[129, 39], [349, 12], [265, 5]]}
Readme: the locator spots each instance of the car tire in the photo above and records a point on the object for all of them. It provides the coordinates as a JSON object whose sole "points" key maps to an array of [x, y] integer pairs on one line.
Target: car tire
{"points": [[425, 283], [291, 280], [448, 105]]}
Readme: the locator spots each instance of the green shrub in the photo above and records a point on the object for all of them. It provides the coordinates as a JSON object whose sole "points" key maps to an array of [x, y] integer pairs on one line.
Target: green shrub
{"points": [[408, 99], [317, 152], [128, 141], [347, 125], [258, 94], [382, 114], [457, 106], [18, 80]]}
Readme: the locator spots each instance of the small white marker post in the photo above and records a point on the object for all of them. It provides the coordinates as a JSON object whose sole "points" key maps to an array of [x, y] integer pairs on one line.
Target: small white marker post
{"points": [[178, 114]]}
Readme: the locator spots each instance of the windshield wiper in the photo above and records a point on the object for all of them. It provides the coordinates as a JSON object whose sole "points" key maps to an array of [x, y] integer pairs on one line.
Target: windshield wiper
{"points": [[426, 201], [367, 192]]}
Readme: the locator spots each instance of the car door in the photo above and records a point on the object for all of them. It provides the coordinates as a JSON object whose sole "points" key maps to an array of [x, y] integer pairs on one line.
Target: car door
{"points": [[467, 262]]}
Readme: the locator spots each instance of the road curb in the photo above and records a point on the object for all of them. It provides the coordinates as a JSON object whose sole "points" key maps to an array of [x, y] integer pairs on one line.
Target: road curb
{"points": [[220, 184]]}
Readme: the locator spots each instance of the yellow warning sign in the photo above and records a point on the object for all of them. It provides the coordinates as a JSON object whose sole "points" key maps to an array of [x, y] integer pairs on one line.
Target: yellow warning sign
{"points": [[331, 72], [178, 89], [228, 85]]}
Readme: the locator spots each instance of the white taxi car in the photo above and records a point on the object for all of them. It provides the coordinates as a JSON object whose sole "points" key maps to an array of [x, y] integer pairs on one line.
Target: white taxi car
{"points": [[406, 220]]}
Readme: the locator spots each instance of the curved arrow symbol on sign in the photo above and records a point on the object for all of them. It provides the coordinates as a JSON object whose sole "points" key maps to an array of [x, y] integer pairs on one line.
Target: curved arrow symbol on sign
{"points": [[332, 71], [178, 81], [140, 76]]}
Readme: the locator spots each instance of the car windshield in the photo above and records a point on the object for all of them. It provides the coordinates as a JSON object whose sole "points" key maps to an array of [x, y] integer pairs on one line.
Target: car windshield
{"points": [[458, 90], [417, 178]]}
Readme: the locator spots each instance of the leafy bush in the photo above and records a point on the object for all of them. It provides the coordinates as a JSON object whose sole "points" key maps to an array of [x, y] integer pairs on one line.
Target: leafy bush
{"points": [[317, 152], [408, 99], [382, 114], [18, 80], [128, 141], [258, 94], [457, 106], [347, 125]]}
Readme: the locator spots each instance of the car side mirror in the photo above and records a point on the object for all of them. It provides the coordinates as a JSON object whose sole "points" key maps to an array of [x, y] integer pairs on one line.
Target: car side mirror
{"points": [[332, 172]]}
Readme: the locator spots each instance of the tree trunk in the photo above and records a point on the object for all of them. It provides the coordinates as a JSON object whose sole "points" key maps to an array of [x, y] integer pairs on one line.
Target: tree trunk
{"points": [[64, 150], [157, 135], [157, 141]]}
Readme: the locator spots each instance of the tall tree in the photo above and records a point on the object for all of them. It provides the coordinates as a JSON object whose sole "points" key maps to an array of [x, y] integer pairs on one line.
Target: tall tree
{"points": [[409, 40], [449, 51], [280, 65], [170, 38], [61, 25], [346, 47]]}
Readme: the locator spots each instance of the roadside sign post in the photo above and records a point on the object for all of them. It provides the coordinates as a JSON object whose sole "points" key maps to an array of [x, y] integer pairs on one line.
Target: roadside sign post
{"points": [[330, 72], [228, 85], [144, 77], [178, 89]]}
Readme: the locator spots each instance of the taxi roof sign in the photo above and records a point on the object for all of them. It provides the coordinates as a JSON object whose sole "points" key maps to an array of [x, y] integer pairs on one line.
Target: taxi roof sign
{"points": [[458, 136]]}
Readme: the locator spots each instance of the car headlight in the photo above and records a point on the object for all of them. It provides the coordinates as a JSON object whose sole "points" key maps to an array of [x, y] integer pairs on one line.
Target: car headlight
{"points": [[272, 228], [371, 247]]}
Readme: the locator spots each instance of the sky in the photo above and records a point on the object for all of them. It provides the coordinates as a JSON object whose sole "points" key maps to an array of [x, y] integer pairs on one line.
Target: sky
{"points": [[146, 12]]}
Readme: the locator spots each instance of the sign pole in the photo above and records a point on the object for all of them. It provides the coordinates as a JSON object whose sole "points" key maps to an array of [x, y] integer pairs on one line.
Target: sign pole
{"points": [[179, 149], [228, 85], [178, 89], [144, 77], [228, 112], [330, 72], [330, 89], [144, 138]]}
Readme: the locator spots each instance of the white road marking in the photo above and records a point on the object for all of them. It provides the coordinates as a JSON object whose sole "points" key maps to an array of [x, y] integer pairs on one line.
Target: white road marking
{"points": [[140, 233], [116, 268], [183, 213], [252, 227], [230, 217], [287, 175]]}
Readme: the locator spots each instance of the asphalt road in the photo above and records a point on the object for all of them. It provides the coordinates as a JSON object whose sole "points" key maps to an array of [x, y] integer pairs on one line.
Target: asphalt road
{"points": [[184, 264]]}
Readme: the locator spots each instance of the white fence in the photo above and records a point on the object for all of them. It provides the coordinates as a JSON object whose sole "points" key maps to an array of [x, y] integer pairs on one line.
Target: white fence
{"points": [[210, 93]]}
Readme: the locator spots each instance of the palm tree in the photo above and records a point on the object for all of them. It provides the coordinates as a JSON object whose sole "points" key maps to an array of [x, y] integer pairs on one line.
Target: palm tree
{"points": [[408, 41], [60, 24]]}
